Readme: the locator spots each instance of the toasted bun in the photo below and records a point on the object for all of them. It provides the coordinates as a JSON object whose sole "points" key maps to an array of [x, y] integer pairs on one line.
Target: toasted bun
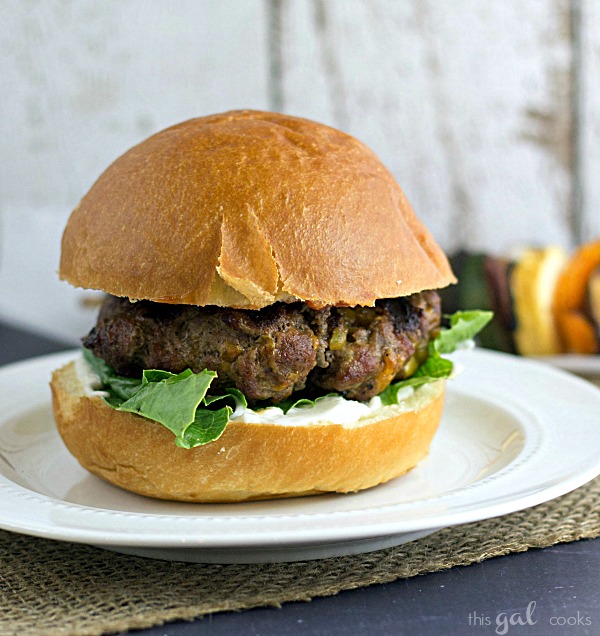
{"points": [[247, 208], [249, 461]]}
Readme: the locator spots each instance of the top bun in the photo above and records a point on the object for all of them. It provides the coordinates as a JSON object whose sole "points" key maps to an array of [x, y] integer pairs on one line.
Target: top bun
{"points": [[247, 208]]}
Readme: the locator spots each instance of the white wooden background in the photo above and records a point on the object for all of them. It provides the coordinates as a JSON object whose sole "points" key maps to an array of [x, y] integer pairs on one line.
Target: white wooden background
{"points": [[487, 111]]}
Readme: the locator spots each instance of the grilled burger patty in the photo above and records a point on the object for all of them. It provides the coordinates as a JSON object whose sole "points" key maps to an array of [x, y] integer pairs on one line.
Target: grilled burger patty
{"points": [[270, 353]]}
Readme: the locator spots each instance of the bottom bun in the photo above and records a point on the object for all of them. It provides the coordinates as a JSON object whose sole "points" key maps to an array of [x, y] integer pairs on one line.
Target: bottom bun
{"points": [[249, 461]]}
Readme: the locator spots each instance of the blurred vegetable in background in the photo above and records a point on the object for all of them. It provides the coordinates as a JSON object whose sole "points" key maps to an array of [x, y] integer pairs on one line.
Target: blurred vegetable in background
{"points": [[545, 302]]}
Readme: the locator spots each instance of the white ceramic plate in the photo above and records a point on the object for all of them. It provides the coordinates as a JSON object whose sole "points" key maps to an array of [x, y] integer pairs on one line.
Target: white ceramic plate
{"points": [[588, 365], [514, 433]]}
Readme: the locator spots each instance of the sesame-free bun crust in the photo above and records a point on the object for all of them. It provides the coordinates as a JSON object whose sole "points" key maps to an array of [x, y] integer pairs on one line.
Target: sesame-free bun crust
{"points": [[249, 461], [246, 208]]}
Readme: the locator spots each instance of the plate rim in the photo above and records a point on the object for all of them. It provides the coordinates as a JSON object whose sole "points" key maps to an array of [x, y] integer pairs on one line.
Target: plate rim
{"points": [[573, 362]]}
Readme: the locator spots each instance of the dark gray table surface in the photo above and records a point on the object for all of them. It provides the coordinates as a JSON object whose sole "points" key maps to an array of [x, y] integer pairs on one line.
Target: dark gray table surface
{"points": [[539, 592]]}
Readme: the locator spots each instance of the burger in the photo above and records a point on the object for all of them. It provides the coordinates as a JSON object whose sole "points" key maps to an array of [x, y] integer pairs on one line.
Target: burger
{"points": [[271, 325]]}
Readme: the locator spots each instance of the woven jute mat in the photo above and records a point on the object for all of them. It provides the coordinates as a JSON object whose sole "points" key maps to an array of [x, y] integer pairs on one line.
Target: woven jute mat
{"points": [[54, 588]]}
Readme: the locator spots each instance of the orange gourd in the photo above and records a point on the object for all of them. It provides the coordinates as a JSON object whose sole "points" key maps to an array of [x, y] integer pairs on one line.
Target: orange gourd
{"points": [[577, 331]]}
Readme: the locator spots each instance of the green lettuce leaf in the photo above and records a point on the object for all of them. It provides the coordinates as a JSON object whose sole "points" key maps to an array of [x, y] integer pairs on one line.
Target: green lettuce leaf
{"points": [[206, 427], [172, 401], [232, 395], [464, 326], [292, 403], [177, 401], [119, 388]]}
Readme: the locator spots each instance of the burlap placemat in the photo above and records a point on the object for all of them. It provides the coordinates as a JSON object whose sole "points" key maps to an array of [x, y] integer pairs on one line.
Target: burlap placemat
{"points": [[54, 588]]}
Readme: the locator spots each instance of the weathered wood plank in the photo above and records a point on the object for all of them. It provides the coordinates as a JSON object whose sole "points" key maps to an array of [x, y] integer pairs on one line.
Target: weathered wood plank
{"points": [[468, 103], [590, 120], [83, 81]]}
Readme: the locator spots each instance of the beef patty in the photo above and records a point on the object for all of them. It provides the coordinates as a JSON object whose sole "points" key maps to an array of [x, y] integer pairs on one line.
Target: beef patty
{"points": [[271, 353]]}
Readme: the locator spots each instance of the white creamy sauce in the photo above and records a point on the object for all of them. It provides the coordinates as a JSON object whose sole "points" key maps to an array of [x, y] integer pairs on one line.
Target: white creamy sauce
{"points": [[332, 409], [89, 380], [457, 369], [466, 345]]}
